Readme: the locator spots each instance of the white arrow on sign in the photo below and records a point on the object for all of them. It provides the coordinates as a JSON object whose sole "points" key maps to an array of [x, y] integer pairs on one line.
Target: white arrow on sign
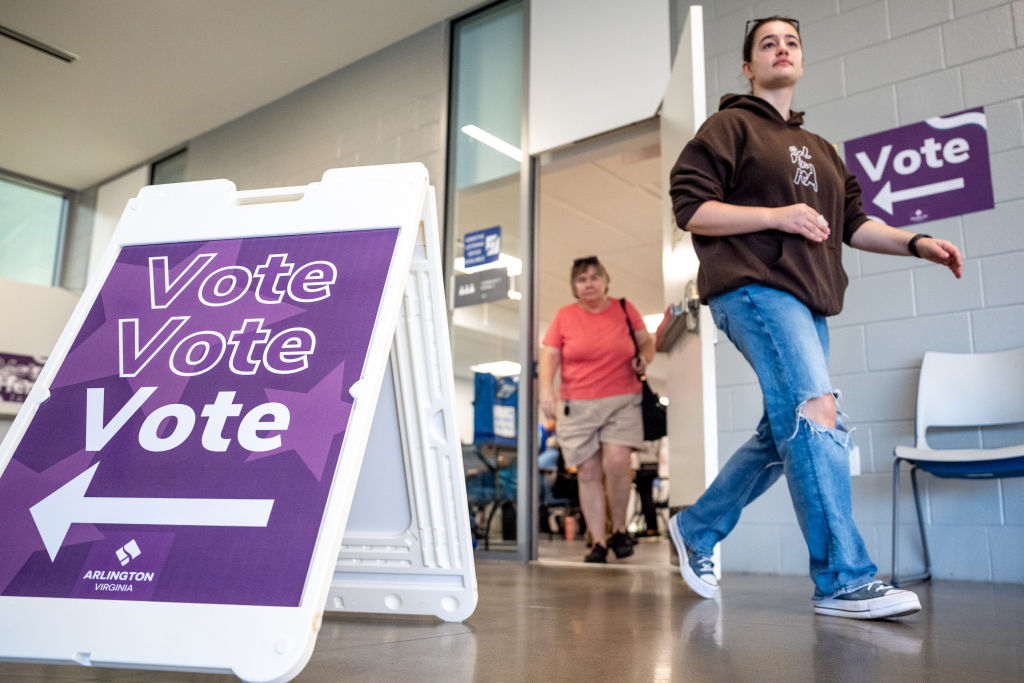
{"points": [[886, 197], [68, 505]]}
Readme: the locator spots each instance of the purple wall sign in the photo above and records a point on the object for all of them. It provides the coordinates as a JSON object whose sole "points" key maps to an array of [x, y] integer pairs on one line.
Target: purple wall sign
{"points": [[17, 375], [187, 448], [925, 171]]}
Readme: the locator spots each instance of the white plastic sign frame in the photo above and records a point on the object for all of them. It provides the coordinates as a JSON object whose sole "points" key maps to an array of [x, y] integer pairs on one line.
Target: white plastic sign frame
{"points": [[185, 509]]}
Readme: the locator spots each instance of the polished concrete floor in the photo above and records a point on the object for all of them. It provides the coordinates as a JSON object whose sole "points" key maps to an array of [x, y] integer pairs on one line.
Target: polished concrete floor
{"points": [[635, 620]]}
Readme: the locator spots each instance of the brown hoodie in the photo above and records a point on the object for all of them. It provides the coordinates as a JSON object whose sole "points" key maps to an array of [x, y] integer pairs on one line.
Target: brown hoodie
{"points": [[746, 154]]}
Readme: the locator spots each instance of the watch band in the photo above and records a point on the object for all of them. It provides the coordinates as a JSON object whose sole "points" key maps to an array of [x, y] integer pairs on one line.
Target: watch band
{"points": [[912, 244]]}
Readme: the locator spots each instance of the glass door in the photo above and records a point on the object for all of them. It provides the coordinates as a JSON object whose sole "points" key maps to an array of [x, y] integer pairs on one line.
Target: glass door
{"points": [[486, 247]]}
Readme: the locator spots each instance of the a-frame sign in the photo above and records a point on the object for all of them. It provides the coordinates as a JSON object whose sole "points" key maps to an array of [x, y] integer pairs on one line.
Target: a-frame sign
{"points": [[175, 491]]}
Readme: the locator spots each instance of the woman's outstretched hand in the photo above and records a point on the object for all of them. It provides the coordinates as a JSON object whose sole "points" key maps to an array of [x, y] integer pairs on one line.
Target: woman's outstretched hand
{"points": [[943, 252]]}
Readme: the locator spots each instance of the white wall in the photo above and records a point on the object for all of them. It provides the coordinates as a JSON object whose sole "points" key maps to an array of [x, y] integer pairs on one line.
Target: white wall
{"points": [[871, 66]]}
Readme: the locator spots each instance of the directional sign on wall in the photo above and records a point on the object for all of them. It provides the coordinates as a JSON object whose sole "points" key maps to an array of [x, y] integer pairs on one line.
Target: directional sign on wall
{"points": [[482, 246], [925, 171]]}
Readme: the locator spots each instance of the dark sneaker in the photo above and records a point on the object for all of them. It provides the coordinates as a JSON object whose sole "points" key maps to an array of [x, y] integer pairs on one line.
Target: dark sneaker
{"points": [[875, 600], [698, 570], [621, 544], [597, 554]]}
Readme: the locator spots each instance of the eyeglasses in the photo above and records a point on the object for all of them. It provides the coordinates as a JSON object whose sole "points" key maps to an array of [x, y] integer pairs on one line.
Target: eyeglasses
{"points": [[751, 23], [585, 261]]}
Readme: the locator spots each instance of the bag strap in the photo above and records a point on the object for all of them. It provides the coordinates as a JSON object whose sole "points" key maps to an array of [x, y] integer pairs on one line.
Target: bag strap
{"points": [[636, 347]]}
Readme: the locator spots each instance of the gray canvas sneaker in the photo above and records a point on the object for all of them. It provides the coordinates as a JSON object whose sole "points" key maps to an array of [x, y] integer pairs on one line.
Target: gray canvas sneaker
{"points": [[875, 600], [698, 570]]}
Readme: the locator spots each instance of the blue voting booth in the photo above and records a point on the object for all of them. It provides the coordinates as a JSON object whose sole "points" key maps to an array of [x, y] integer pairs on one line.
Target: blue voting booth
{"points": [[495, 420]]}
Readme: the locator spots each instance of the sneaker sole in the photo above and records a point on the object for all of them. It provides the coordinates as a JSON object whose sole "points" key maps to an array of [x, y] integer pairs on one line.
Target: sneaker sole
{"points": [[626, 553], [904, 607], [692, 580]]}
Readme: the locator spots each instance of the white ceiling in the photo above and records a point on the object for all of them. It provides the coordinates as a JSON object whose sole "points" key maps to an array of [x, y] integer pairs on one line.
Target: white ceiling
{"points": [[153, 74]]}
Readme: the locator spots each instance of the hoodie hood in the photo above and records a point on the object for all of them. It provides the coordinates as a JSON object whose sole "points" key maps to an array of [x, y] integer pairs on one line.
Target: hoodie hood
{"points": [[760, 107]]}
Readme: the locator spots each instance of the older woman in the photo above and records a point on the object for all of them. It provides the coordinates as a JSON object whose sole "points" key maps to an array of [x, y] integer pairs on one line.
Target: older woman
{"points": [[770, 206], [600, 421]]}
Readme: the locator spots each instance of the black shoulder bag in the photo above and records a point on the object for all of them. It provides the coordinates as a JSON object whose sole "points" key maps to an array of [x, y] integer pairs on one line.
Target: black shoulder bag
{"points": [[655, 422]]}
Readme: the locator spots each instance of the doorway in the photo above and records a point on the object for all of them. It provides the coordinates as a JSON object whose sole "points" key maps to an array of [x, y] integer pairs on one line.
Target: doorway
{"points": [[603, 197]]}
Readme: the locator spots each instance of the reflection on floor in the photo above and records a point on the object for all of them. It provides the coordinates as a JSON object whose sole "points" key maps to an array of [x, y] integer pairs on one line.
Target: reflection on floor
{"points": [[653, 552], [634, 620]]}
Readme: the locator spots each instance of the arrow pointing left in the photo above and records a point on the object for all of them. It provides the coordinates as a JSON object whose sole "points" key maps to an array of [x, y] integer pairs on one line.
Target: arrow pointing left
{"points": [[68, 505]]}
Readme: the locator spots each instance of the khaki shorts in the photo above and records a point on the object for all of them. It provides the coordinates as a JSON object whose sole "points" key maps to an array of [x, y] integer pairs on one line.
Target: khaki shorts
{"points": [[589, 423]]}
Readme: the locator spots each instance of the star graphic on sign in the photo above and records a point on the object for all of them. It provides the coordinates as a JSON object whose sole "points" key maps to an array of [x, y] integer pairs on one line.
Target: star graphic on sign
{"points": [[317, 416], [22, 487]]}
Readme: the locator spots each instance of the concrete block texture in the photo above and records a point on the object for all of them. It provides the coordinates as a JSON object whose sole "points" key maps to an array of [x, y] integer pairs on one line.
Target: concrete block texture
{"points": [[902, 343], [994, 79], [963, 502], [884, 437], [1001, 276], [1007, 174], [846, 32], [960, 552], [854, 116], [894, 61], [909, 16], [1005, 123], [878, 396], [847, 352], [963, 7], [996, 329], [1007, 544], [1013, 500], [925, 96], [937, 291], [978, 35], [752, 548], [825, 82], [1018, 22], [994, 232], [889, 296]]}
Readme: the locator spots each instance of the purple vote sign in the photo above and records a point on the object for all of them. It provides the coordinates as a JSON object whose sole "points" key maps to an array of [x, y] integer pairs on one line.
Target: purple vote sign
{"points": [[925, 171], [188, 445]]}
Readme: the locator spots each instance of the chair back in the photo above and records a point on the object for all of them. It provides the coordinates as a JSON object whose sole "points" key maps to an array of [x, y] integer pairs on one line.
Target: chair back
{"points": [[969, 389]]}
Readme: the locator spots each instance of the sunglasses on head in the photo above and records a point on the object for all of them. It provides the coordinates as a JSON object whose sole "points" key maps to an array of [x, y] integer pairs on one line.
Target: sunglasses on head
{"points": [[751, 23], [585, 261]]}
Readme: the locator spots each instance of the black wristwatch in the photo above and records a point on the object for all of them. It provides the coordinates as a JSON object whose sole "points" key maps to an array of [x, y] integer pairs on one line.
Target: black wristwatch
{"points": [[912, 244]]}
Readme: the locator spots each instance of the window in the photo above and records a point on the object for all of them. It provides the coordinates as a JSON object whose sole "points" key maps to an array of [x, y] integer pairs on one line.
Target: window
{"points": [[32, 221], [170, 169]]}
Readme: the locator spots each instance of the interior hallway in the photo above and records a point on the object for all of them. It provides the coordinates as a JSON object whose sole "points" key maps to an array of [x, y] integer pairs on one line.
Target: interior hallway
{"points": [[635, 620]]}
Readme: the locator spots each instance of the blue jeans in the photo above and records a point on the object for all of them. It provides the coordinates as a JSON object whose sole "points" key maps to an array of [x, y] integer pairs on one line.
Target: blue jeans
{"points": [[787, 346]]}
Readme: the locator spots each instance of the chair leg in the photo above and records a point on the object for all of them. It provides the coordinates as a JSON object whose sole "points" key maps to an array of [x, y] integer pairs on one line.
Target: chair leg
{"points": [[894, 576], [927, 574], [894, 579]]}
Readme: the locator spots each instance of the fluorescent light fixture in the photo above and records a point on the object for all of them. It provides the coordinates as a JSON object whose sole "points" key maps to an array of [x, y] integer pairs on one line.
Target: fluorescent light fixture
{"points": [[513, 264], [493, 141], [652, 321], [38, 44], [498, 368]]}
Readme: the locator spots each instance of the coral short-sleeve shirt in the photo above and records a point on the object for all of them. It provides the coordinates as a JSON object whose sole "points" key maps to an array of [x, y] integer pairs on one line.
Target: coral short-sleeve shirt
{"points": [[597, 351]]}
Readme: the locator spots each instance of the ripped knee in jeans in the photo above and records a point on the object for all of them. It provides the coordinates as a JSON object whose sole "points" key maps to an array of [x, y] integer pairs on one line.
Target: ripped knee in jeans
{"points": [[821, 413]]}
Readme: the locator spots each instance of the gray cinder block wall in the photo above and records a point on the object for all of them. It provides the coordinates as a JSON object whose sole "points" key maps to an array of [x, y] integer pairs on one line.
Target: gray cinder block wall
{"points": [[872, 66], [387, 108]]}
